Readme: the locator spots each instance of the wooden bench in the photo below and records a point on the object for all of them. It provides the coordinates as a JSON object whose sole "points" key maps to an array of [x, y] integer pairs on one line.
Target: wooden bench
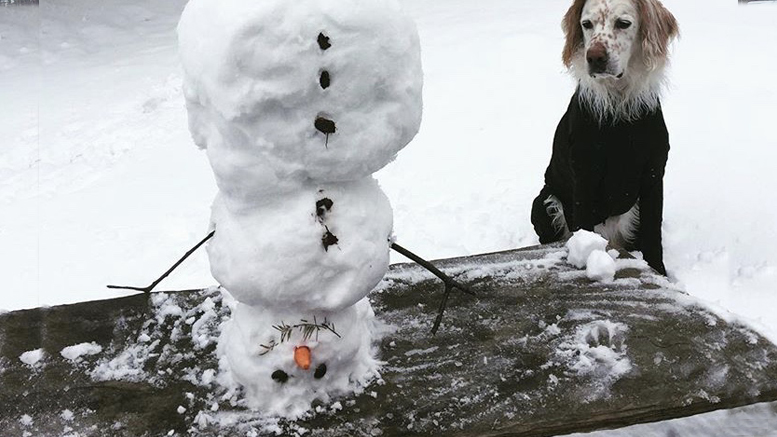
{"points": [[542, 351]]}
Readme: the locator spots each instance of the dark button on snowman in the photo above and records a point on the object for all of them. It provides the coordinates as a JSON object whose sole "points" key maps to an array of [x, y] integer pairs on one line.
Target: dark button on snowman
{"points": [[297, 103]]}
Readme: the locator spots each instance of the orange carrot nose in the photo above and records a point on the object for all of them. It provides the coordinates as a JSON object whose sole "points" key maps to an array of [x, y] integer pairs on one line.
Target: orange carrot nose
{"points": [[302, 357]]}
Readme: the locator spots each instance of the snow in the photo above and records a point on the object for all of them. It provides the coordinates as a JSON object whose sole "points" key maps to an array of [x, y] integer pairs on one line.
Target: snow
{"points": [[254, 351], [103, 184], [26, 420], [75, 352], [273, 254], [755, 420], [67, 415], [600, 266], [597, 350], [297, 104], [581, 245], [208, 376], [252, 89], [130, 361], [32, 358]]}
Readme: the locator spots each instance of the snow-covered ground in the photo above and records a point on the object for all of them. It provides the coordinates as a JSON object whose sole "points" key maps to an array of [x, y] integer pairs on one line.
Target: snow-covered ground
{"points": [[755, 420], [100, 182]]}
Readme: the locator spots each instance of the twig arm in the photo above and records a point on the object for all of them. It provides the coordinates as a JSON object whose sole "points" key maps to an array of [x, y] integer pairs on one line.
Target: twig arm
{"points": [[170, 270], [450, 284], [441, 310], [434, 270]]}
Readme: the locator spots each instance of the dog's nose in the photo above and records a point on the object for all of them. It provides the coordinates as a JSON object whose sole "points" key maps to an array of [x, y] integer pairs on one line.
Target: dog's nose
{"points": [[597, 58]]}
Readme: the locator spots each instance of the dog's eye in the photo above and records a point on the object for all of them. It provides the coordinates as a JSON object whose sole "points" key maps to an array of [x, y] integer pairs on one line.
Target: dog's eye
{"points": [[587, 24], [622, 24]]}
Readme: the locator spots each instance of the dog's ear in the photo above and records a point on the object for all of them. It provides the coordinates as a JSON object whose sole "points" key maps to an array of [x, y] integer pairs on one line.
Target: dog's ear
{"points": [[573, 32], [658, 28]]}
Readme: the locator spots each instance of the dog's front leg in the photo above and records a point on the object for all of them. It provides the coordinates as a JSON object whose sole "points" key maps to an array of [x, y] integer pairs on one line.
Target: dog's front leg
{"points": [[651, 206], [586, 175]]}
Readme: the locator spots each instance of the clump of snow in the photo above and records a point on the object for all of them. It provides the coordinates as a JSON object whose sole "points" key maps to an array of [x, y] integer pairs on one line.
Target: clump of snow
{"points": [[552, 329], [169, 320], [26, 420], [32, 358], [201, 336], [208, 376], [597, 350], [75, 352], [600, 266], [165, 307], [128, 365], [67, 415], [581, 245], [588, 250]]}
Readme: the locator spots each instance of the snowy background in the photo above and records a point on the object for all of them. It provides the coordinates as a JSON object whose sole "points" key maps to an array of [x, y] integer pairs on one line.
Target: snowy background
{"points": [[100, 182]]}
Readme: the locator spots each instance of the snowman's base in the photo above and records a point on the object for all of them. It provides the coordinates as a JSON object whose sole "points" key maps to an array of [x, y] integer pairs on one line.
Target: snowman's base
{"points": [[541, 351]]}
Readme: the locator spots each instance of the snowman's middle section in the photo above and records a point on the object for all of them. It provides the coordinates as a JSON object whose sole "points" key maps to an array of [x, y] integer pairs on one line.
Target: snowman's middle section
{"points": [[323, 247]]}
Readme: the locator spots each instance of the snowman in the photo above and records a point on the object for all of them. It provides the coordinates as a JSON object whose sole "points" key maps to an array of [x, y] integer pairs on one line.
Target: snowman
{"points": [[297, 104]]}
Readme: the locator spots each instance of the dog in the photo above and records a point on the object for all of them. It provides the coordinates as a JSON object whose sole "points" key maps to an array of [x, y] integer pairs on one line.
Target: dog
{"points": [[611, 147]]}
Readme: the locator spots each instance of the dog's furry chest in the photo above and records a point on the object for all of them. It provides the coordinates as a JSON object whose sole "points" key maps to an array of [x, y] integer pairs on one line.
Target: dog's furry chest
{"points": [[606, 165]]}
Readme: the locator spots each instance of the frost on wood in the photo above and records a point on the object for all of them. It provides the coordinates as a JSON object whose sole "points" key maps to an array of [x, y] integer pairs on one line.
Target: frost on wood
{"points": [[541, 338]]}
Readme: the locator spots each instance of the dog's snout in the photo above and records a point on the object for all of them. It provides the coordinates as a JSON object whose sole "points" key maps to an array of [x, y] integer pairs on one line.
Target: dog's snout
{"points": [[597, 58]]}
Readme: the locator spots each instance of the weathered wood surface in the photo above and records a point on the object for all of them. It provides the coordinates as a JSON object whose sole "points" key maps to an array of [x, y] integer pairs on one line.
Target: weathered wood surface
{"points": [[542, 351]]}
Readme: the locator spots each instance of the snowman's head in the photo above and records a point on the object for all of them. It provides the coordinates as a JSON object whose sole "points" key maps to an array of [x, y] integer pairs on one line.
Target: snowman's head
{"points": [[310, 89], [284, 367]]}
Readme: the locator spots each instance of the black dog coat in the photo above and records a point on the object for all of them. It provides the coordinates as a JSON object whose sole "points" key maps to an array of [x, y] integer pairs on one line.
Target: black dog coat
{"points": [[599, 170]]}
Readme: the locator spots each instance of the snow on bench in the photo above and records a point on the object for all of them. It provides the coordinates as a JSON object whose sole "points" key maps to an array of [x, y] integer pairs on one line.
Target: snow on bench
{"points": [[542, 350]]}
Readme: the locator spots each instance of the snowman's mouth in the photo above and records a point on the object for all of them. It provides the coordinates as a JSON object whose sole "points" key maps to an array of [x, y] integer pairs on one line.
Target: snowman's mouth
{"points": [[280, 376], [320, 371]]}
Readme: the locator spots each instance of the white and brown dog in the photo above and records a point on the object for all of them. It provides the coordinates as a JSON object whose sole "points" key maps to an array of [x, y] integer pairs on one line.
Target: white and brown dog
{"points": [[610, 148]]}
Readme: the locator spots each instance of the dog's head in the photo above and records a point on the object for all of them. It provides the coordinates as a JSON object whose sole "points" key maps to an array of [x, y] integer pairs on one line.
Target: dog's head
{"points": [[609, 39]]}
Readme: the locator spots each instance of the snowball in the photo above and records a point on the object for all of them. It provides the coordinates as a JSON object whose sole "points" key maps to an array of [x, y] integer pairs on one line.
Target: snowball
{"points": [[275, 256], [600, 266], [75, 352], [349, 359], [32, 358], [588, 250], [581, 245], [208, 376], [67, 415], [253, 88]]}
